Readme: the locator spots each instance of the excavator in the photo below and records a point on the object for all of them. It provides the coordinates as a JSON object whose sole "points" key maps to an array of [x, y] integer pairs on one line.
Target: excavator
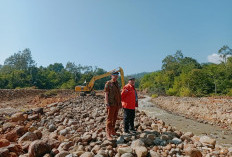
{"points": [[89, 86]]}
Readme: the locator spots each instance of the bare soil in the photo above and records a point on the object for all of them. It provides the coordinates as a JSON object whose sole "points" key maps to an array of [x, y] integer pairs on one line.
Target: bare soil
{"points": [[12, 101]]}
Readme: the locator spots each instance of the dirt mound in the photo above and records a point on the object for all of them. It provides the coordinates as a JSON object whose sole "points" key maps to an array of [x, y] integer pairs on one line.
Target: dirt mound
{"points": [[213, 110], [24, 99], [10, 94]]}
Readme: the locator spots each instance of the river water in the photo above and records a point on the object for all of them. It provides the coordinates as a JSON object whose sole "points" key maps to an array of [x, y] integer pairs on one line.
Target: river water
{"points": [[222, 136]]}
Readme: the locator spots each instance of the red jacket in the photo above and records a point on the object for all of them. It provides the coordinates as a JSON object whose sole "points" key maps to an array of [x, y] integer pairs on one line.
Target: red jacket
{"points": [[128, 97]]}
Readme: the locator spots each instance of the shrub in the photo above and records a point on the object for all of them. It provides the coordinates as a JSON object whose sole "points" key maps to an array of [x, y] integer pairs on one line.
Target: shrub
{"points": [[171, 92], [154, 95], [229, 92], [184, 91], [49, 93]]}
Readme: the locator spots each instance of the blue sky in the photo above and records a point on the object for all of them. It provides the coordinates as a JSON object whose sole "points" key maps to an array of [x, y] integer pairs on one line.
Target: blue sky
{"points": [[133, 34]]}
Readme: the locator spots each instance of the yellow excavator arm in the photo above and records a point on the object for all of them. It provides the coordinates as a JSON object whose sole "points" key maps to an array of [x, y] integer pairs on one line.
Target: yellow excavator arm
{"points": [[89, 86]]}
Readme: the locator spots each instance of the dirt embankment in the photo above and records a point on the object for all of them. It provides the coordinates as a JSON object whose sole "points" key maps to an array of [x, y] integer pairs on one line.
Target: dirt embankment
{"points": [[10, 94], [213, 110], [15, 100]]}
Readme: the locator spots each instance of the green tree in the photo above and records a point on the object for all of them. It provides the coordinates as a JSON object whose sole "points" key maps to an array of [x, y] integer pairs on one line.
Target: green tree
{"points": [[225, 52], [56, 67], [171, 63], [187, 64], [21, 60], [199, 83], [75, 70]]}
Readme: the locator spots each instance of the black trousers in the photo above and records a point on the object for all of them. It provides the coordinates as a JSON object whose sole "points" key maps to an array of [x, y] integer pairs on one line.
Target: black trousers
{"points": [[129, 116]]}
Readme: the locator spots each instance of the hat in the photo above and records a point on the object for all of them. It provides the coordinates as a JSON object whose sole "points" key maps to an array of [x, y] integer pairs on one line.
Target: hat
{"points": [[114, 73], [131, 78]]}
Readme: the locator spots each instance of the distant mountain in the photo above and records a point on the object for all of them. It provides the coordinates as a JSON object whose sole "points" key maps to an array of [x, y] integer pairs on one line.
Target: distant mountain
{"points": [[138, 75]]}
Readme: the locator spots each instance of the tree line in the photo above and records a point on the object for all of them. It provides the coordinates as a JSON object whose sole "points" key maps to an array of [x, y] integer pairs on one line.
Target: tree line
{"points": [[20, 71], [184, 76]]}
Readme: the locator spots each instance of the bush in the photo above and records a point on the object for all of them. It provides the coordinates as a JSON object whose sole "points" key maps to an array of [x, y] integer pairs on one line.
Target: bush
{"points": [[185, 92], [68, 85], [49, 93], [229, 92], [154, 95], [171, 92]]}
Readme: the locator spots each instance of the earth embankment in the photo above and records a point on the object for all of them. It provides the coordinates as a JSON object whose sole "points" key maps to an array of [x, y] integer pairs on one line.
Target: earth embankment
{"points": [[212, 110]]}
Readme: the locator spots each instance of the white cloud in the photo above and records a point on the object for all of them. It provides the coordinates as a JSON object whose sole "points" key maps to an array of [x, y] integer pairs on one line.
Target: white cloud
{"points": [[214, 58]]}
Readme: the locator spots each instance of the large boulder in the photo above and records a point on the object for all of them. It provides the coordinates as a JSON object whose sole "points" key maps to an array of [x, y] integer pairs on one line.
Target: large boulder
{"points": [[62, 154], [154, 154], [38, 110], [86, 138], [33, 117], [193, 152], [17, 117], [87, 154], [95, 149], [29, 136], [207, 141], [8, 125], [65, 146], [20, 130], [141, 151], [123, 150], [38, 148], [127, 155], [63, 132], [52, 128], [11, 136], [4, 143], [137, 143], [16, 148], [38, 134], [4, 152]]}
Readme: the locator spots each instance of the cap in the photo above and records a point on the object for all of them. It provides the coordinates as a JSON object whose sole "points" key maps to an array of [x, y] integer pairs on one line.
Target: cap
{"points": [[131, 78], [114, 73]]}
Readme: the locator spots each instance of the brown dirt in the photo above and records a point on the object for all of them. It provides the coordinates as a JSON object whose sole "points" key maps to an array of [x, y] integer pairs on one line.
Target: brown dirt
{"points": [[12, 101]]}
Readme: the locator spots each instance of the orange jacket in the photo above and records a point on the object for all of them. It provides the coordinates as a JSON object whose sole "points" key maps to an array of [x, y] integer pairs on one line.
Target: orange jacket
{"points": [[128, 97]]}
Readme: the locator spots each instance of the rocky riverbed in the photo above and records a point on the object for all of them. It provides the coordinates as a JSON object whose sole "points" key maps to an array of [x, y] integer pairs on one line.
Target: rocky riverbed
{"points": [[223, 136], [76, 127], [212, 110]]}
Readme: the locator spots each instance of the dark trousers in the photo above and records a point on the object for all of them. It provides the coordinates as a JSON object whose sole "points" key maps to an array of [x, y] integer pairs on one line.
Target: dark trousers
{"points": [[129, 116]]}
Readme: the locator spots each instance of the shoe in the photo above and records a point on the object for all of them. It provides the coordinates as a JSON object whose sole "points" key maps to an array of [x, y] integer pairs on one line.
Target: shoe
{"points": [[108, 135], [109, 138], [113, 133], [133, 131], [126, 133]]}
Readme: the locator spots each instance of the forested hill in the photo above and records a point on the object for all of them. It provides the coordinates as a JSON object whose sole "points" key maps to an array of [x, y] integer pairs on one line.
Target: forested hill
{"points": [[20, 71], [179, 76], [184, 76]]}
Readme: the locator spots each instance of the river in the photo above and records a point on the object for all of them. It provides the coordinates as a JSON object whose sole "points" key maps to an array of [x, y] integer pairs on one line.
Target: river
{"points": [[222, 136]]}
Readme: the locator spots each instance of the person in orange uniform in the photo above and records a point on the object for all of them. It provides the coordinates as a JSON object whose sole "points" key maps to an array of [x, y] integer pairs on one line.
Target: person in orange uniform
{"points": [[129, 102], [113, 104]]}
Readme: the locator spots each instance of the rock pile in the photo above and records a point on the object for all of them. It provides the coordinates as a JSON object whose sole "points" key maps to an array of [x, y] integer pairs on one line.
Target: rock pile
{"points": [[77, 128]]}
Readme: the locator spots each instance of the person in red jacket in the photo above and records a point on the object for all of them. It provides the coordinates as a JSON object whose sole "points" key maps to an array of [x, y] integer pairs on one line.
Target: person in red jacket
{"points": [[129, 102]]}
